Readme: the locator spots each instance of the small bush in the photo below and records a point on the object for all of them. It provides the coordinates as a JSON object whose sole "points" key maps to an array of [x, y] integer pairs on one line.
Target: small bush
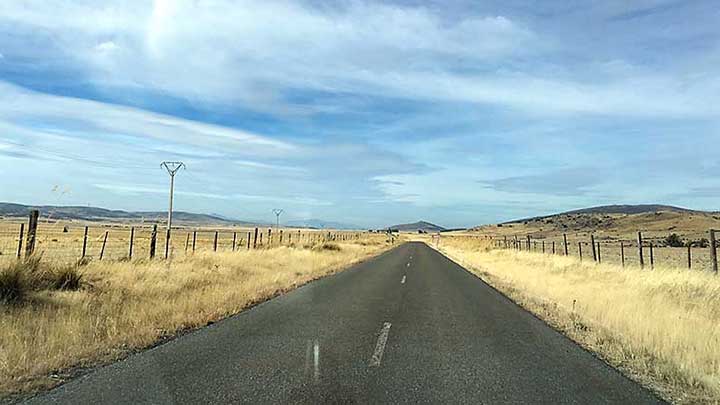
{"points": [[327, 246], [701, 243], [67, 278], [12, 284], [673, 240]]}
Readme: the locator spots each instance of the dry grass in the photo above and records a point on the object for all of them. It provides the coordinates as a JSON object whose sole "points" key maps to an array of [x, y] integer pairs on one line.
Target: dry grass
{"points": [[123, 306], [661, 327]]}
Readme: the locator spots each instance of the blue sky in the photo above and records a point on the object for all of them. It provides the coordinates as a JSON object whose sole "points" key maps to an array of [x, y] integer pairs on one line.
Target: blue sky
{"points": [[364, 112]]}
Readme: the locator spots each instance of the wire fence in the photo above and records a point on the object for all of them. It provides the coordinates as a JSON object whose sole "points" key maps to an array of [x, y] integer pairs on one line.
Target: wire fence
{"points": [[646, 253], [69, 242]]}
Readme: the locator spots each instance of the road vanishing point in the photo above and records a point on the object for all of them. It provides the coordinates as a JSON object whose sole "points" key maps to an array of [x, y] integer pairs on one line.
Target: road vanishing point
{"points": [[409, 326]]}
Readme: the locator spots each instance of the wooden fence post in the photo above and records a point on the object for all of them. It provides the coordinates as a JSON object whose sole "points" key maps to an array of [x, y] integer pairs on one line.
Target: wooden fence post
{"points": [[167, 243], [289, 238], [281, 235], [31, 232], [592, 243], [20, 240], [256, 239], [528, 243], [713, 251], [553, 247], [269, 238], [652, 257], [234, 240], [689, 255], [543, 247], [622, 253], [84, 246], [215, 240], [640, 250], [153, 241], [194, 239], [580, 249], [102, 249], [187, 242], [599, 260], [132, 237], [565, 242], [248, 240], [260, 242]]}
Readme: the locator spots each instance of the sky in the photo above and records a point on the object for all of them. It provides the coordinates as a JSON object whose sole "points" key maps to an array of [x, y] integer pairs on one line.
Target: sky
{"points": [[363, 112]]}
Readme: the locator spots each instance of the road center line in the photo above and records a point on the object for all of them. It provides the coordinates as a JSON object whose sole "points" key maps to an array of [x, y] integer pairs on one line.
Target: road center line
{"points": [[380, 346], [403, 280], [316, 361]]}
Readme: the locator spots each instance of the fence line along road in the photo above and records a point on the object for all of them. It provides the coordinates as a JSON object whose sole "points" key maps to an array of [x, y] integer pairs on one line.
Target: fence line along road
{"points": [[67, 242], [649, 253]]}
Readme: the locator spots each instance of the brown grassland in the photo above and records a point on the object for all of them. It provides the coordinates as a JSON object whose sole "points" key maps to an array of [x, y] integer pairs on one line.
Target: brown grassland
{"points": [[661, 327], [69, 316]]}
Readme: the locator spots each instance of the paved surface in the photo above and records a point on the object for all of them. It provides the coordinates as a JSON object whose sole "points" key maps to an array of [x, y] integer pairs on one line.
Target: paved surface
{"points": [[410, 326]]}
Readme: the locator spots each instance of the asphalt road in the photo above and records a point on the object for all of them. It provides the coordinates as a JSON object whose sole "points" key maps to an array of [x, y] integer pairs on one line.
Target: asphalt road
{"points": [[410, 326]]}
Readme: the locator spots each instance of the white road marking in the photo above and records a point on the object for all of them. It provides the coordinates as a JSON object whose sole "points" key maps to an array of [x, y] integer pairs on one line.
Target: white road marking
{"points": [[408, 264], [403, 280], [316, 360], [380, 346]]}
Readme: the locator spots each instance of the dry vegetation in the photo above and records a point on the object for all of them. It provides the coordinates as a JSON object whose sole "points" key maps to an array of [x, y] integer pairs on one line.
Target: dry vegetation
{"points": [[107, 309], [660, 327]]}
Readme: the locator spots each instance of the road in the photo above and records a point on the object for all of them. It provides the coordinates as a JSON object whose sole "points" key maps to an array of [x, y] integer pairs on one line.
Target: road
{"points": [[409, 326]]}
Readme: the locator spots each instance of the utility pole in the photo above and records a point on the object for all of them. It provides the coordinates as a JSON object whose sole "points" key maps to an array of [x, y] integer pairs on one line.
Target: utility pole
{"points": [[172, 168], [277, 212]]}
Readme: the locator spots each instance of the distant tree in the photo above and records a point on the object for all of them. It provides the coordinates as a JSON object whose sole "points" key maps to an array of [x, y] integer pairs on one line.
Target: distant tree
{"points": [[673, 240], [499, 225]]}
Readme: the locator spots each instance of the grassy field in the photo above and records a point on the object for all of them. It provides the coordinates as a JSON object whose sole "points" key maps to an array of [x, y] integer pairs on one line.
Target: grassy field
{"points": [[660, 327], [62, 241], [68, 316]]}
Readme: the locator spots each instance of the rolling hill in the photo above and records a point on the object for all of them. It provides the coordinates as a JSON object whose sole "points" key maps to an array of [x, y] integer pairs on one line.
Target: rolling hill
{"points": [[418, 226]]}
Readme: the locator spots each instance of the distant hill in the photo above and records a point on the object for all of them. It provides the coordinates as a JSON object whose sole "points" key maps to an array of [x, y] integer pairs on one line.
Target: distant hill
{"points": [[82, 213], [320, 224], [418, 226], [616, 209]]}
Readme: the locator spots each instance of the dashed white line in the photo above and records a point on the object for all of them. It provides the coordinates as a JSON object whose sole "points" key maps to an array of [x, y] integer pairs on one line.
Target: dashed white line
{"points": [[408, 264], [403, 280], [380, 346], [316, 360]]}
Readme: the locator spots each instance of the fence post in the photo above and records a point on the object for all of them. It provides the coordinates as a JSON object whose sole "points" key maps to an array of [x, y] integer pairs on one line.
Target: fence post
{"points": [[234, 240], [592, 242], [167, 243], [622, 253], [689, 255], [153, 241], [543, 247], [528, 243], [599, 260], [215, 240], [20, 240], [713, 251], [132, 237], [194, 239], [248, 240], [261, 242], [281, 235], [565, 243], [256, 239], [289, 238], [640, 250], [580, 249], [187, 242], [84, 247], [31, 232], [102, 249]]}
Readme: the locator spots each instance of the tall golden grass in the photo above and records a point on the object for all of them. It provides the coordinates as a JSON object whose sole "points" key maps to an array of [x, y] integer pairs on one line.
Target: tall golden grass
{"points": [[123, 306], [661, 327]]}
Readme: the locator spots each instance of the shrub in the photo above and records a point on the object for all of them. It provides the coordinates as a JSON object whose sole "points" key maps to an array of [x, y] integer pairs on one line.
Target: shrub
{"points": [[702, 243], [12, 284], [67, 278], [327, 246], [673, 240]]}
